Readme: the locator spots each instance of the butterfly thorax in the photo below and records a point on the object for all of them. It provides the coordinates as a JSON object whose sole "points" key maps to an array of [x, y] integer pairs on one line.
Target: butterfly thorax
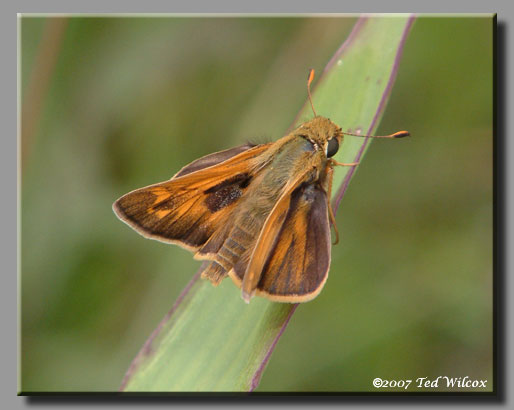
{"points": [[292, 155]]}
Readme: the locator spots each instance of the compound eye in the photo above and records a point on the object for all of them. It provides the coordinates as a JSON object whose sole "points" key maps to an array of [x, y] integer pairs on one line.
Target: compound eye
{"points": [[332, 147]]}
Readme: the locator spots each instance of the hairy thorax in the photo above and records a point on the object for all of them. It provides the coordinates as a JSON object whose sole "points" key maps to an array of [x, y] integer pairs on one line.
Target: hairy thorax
{"points": [[288, 161]]}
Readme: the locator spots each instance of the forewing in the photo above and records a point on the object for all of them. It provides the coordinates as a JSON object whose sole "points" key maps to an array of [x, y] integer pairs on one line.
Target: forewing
{"points": [[192, 206], [297, 267], [212, 159]]}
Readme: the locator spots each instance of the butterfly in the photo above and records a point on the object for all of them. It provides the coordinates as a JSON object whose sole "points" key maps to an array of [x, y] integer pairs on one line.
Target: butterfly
{"points": [[259, 214]]}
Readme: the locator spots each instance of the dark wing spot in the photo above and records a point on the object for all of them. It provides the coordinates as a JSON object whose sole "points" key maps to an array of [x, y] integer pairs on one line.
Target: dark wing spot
{"points": [[222, 198], [236, 180], [226, 192]]}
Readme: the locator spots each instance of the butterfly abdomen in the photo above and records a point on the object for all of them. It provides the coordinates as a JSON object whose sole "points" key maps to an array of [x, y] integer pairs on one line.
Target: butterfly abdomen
{"points": [[214, 272], [228, 255]]}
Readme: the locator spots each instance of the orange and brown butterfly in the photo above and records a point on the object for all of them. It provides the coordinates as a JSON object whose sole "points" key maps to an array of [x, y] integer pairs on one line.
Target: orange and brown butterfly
{"points": [[258, 213]]}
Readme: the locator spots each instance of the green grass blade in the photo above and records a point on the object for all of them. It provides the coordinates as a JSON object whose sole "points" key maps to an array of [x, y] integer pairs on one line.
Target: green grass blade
{"points": [[356, 84], [193, 348], [211, 340]]}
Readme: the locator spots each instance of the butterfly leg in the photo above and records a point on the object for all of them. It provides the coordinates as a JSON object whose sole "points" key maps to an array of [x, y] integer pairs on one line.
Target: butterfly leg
{"points": [[330, 176], [343, 164]]}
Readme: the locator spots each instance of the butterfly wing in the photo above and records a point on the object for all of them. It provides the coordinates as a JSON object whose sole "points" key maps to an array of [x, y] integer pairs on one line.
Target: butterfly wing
{"points": [[267, 236], [212, 159], [188, 209], [296, 267]]}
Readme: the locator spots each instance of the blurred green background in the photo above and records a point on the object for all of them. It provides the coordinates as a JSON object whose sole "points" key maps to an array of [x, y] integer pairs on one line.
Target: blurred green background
{"points": [[113, 104]]}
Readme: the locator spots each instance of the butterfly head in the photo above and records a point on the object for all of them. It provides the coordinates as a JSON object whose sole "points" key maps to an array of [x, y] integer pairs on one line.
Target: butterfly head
{"points": [[323, 134]]}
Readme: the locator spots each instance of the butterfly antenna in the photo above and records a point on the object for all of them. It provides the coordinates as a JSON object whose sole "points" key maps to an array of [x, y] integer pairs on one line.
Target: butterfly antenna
{"points": [[399, 134], [309, 81]]}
